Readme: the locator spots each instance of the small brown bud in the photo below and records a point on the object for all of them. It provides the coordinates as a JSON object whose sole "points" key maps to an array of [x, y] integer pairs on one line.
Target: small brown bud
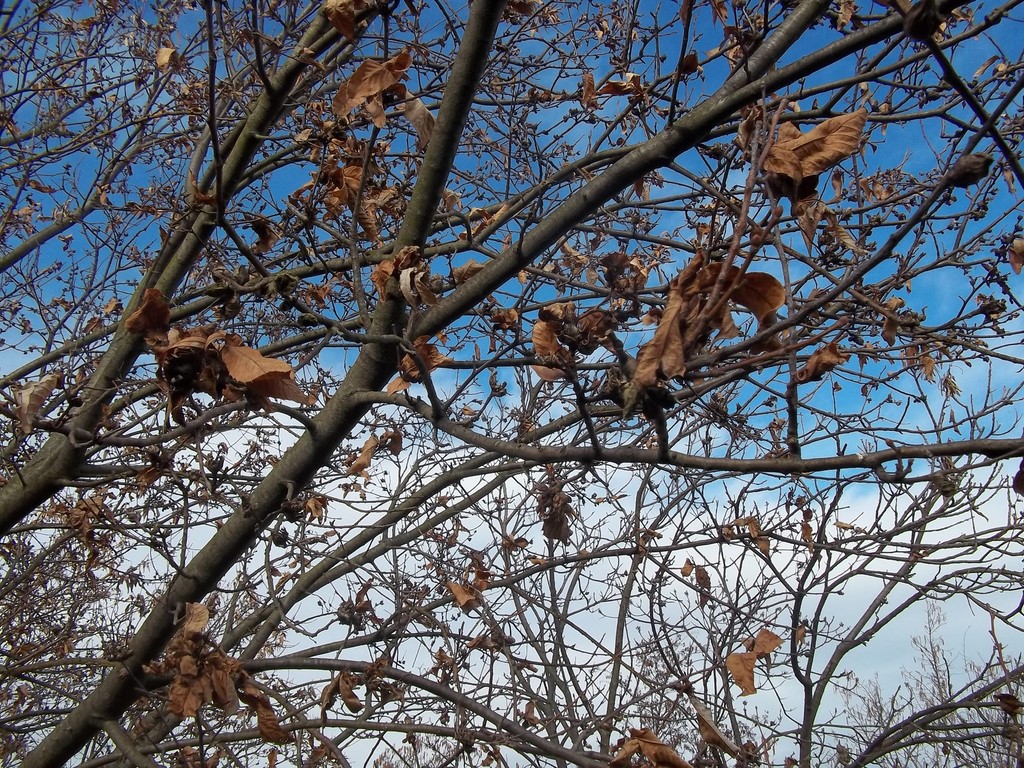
{"points": [[969, 169]]}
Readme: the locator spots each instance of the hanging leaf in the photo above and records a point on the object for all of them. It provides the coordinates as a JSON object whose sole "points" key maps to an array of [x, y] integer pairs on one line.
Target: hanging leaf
{"points": [[656, 752], [823, 361], [262, 376], [367, 84], [152, 320], [588, 93], [362, 462], [165, 58], [30, 398], [465, 597], [266, 719], [267, 233], [1018, 479], [1015, 254], [342, 15], [709, 730], [197, 616], [793, 163], [703, 580], [422, 120], [466, 271], [342, 685], [409, 370], [825, 145]]}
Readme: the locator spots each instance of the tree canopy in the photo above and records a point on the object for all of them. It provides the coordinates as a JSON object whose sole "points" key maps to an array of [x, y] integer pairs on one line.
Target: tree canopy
{"points": [[511, 383]]}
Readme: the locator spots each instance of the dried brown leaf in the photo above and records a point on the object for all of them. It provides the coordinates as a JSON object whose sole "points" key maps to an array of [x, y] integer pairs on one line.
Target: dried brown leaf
{"points": [[1015, 254], [245, 365], [346, 689], [466, 271], [703, 584], [465, 596], [266, 233], [823, 361], [1018, 479], [824, 146], [545, 341], [361, 463], [709, 730], [30, 398], [422, 120], [197, 616], [741, 667], [266, 719], [369, 81], [505, 318], [969, 169], [657, 752], [152, 320], [588, 93], [766, 642], [342, 15], [165, 58]]}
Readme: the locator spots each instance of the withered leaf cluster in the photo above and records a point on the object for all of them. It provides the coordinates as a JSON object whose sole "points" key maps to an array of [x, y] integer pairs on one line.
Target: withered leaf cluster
{"points": [[558, 335], [700, 302], [554, 507], [203, 674], [208, 360]]}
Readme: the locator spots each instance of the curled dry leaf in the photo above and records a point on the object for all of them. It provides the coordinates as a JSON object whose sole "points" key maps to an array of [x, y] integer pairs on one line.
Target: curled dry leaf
{"points": [[505, 318], [422, 120], [466, 597], [709, 730], [741, 667], [923, 20], [891, 325], [631, 86], [703, 584], [797, 154], [1009, 703], [765, 642], [690, 315], [165, 58], [262, 376], [197, 616], [266, 719], [969, 170], [362, 462], [342, 685], [342, 15], [152, 320], [823, 361], [409, 369], [554, 508], [796, 159], [466, 271], [645, 742], [588, 93], [29, 399], [266, 233], [1015, 254], [1018, 479], [367, 84]]}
